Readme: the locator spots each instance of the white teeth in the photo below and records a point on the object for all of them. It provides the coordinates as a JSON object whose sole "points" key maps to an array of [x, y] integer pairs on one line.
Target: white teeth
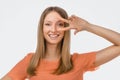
{"points": [[53, 36]]}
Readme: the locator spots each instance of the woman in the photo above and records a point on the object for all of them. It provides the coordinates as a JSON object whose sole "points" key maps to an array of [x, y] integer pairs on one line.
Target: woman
{"points": [[52, 59]]}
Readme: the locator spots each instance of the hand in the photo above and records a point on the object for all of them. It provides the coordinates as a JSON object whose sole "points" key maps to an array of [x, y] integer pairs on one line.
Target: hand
{"points": [[75, 23]]}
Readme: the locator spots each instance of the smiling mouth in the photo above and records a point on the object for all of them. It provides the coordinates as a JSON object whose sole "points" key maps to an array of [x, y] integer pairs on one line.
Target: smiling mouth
{"points": [[53, 36]]}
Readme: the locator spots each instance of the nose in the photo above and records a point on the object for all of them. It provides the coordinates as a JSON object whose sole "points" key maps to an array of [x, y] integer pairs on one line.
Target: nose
{"points": [[53, 28]]}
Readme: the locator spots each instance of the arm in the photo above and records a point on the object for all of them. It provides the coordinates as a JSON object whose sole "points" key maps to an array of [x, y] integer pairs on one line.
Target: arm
{"points": [[18, 72], [103, 55], [6, 78], [108, 53]]}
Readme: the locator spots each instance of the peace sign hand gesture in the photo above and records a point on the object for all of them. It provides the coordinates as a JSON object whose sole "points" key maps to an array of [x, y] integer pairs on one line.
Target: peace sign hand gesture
{"points": [[76, 23]]}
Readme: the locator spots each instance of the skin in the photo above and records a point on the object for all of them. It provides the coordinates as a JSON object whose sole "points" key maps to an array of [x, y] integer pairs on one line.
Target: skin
{"points": [[52, 34], [105, 54], [78, 24]]}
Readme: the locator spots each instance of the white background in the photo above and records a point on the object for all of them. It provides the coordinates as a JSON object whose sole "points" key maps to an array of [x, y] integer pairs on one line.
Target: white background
{"points": [[18, 30]]}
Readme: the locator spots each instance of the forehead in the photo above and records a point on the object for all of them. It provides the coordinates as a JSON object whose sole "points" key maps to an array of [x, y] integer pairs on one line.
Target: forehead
{"points": [[52, 16]]}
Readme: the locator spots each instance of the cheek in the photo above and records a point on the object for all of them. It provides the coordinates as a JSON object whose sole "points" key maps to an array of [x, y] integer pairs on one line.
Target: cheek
{"points": [[62, 33], [45, 30]]}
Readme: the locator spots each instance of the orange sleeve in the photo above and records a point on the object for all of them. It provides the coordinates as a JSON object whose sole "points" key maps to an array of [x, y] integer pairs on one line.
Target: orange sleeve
{"points": [[85, 61], [89, 61], [18, 72]]}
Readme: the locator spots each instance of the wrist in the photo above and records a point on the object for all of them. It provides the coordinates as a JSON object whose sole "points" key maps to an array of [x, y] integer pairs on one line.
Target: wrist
{"points": [[88, 26]]}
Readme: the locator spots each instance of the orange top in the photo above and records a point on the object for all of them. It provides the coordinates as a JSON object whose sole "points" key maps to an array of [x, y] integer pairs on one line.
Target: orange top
{"points": [[81, 62]]}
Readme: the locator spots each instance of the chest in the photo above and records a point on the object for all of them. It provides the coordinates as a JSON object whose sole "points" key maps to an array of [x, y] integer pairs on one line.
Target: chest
{"points": [[66, 76], [44, 72]]}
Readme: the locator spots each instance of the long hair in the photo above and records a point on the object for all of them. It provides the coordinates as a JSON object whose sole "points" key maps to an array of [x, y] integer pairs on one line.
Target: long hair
{"points": [[65, 63]]}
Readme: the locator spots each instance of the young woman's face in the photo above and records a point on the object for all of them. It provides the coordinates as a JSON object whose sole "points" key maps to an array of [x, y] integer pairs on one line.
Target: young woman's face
{"points": [[51, 28]]}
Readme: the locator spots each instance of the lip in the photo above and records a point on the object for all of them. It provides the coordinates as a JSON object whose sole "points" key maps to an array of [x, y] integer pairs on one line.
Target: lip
{"points": [[53, 36]]}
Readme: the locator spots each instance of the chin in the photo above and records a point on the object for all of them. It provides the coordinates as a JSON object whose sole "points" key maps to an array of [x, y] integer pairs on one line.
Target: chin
{"points": [[54, 42]]}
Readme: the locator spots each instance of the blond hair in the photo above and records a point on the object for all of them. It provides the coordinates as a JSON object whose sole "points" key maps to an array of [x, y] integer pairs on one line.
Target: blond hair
{"points": [[65, 63]]}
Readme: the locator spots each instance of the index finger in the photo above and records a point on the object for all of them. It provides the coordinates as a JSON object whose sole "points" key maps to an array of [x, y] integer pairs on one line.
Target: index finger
{"points": [[65, 28], [64, 20]]}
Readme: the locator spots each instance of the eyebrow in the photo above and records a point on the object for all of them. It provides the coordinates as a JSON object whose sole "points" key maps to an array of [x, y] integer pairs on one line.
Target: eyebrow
{"points": [[51, 21], [47, 21]]}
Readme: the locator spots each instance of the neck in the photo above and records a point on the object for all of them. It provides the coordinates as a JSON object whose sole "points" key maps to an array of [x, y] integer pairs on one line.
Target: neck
{"points": [[52, 52]]}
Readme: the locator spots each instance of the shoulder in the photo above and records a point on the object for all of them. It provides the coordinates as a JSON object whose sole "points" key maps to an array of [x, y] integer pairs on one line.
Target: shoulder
{"points": [[84, 60], [28, 56], [83, 55]]}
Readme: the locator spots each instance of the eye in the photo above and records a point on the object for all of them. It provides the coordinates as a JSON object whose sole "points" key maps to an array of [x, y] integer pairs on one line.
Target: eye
{"points": [[61, 24], [47, 24]]}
